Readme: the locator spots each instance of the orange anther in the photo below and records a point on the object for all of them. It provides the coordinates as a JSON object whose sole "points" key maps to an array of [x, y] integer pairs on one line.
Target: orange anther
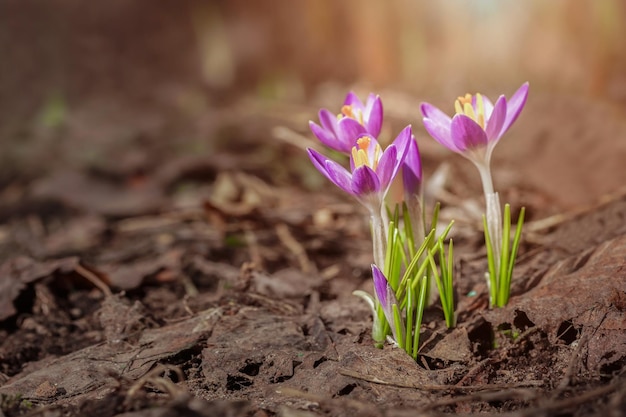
{"points": [[347, 111], [363, 143]]}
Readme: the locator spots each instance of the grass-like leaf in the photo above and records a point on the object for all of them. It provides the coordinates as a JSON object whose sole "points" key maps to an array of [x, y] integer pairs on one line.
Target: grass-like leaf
{"points": [[504, 284], [500, 279], [398, 324], [493, 278], [516, 240], [419, 289]]}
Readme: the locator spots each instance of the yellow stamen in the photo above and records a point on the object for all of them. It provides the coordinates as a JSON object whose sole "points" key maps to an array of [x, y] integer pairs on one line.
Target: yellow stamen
{"points": [[377, 152], [463, 105], [457, 107], [480, 104], [359, 156], [348, 111], [466, 99], [469, 111], [363, 143], [360, 153], [480, 111]]}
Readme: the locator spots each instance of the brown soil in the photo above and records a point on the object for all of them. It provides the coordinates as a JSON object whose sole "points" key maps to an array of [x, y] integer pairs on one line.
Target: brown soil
{"points": [[166, 260], [220, 284]]}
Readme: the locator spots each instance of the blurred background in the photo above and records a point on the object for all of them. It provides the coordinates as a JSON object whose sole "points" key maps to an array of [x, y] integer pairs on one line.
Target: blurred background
{"points": [[124, 85]]}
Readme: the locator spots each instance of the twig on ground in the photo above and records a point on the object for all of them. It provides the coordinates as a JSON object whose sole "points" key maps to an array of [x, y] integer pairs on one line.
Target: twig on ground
{"points": [[438, 387], [504, 395], [567, 403], [287, 239], [94, 279], [480, 366], [320, 399]]}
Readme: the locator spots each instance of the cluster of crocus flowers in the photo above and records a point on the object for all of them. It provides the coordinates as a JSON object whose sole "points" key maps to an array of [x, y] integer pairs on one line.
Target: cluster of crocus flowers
{"points": [[372, 169], [404, 249]]}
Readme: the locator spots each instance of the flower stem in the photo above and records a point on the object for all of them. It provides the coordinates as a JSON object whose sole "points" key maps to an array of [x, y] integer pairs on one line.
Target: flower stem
{"points": [[379, 238], [380, 328], [494, 213], [485, 177], [494, 225]]}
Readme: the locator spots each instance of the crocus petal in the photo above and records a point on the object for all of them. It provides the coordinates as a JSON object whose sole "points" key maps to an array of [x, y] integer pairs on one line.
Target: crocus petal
{"points": [[412, 169], [381, 288], [339, 176], [514, 107], [441, 133], [466, 133], [387, 298], [403, 140], [328, 121], [373, 115], [369, 103], [331, 170], [387, 166], [495, 122], [433, 113], [402, 143], [318, 160], [348, 131], [327, 137], [365, 181], [353, 100], [437, 124]]}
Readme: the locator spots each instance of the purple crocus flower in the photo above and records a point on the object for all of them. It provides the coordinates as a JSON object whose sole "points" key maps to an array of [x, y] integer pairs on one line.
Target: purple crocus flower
{"points": [[341, 131], [371, 169], [369, 114], [387, 298], [473, 132], [477, 125]]}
